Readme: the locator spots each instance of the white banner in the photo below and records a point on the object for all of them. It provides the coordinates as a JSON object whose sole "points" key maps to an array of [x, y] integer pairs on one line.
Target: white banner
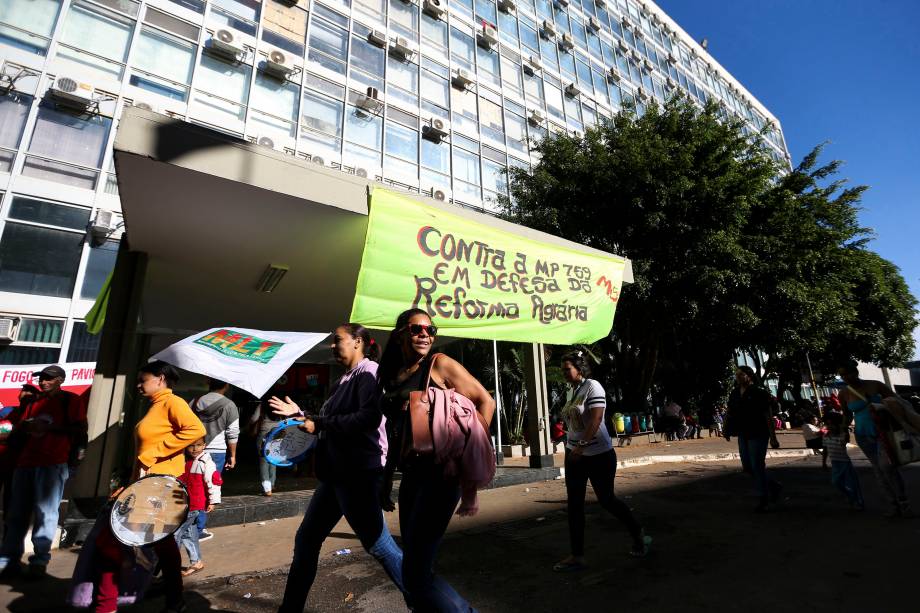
{"points": [[252, 360]]}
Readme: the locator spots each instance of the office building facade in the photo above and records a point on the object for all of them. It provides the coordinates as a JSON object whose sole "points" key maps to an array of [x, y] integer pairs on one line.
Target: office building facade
{"points": [[434, 96]]}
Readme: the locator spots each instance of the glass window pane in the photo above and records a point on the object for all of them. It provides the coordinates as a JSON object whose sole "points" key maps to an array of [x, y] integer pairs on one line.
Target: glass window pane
{"points": [[36, 16], [321, 113], [69, 138], [435, 156], [14, 110], [329, 39], [99, 33], [39, 211], [434, 88], [363, 129], [285, 20], [435, 31], [466, 166], [402, 142], [39, 261], [276, 97], [83, 346], [14, 355], [461, 46], [493, 178], [219, 77], [101, 262], [248, 9], [366, 56], [163, 55]]}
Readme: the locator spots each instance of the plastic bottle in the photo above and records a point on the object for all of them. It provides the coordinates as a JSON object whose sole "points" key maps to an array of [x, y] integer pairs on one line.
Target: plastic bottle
{"points": [[627, 424], [621, 425]]}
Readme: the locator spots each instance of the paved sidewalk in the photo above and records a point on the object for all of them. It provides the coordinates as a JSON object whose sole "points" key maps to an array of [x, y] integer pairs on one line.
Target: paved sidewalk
{"points": [[258, 547]]}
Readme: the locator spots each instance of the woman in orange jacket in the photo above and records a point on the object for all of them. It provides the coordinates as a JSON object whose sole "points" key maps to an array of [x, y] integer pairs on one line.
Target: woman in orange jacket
{"points": [[161, 437]]}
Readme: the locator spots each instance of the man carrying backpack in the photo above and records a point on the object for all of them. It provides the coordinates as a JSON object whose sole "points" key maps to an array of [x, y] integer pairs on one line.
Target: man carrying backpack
{"points": [[221, 419], [53, 426]]}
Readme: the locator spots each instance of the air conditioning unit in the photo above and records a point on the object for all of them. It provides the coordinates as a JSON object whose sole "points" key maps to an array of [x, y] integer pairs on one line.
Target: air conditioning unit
{"points": [[370, 101], [572, 90], [600, 3], [317, 160], [399, 47], [147, 106], [672, 59], [626, 22], [594, 23], [613, 73], [377, 38], [487, 36], [438, 193], [567, 42], [435, 130], [623, 46], [71, 93], [548, 30], [265, 141], [671, 84], [641, 93], [462, 79], [434, 9], [535, 117], [225, 44], [101, 227], [649, 65], [506, 6], [532, 65], [277, 65], [561, 4], [636, 56], [8, 329], [361, 172]]}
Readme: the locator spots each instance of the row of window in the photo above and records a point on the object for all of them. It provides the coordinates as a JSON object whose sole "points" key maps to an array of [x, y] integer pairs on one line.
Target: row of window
{"points": [[43, 245], [98, 38], [40, 342]]}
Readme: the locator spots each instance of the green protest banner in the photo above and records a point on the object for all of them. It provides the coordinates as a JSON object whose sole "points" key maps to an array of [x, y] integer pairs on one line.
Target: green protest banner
{"points": [[476, 280]]}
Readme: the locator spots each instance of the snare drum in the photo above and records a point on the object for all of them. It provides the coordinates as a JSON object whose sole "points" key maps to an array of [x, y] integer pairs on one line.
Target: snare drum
{"points": [[149, 510]]}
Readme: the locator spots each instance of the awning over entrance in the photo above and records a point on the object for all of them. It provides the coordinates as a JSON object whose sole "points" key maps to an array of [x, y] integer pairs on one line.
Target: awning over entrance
{"points": [[213, 212]]}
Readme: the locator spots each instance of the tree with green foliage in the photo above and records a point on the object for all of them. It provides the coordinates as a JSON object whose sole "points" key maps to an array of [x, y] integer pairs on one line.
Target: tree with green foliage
{"points": [[729, 249]]}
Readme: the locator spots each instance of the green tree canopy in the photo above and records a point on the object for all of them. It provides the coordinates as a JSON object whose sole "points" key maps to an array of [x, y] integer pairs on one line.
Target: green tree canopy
{"points": [[728, 250]]}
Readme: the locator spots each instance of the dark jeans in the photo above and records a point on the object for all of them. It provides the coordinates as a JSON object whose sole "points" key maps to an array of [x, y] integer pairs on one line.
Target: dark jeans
{"points": [[358, 500], [753, 453], [844, 478], [601, 471], [427, 502]]}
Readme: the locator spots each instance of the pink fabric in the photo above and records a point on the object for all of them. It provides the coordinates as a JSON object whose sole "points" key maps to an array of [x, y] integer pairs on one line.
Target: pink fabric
{"points": [[461, 444]]}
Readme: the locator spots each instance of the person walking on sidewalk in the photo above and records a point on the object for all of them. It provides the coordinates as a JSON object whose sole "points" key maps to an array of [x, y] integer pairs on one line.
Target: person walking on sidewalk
{"points": [[862, 398], [262, 422], [750, 419], [12, 440], [221, 419], [843, 475], [50, 424], [202, 480], [350, 452], [427, 497], [589, 456], [160, 438]]}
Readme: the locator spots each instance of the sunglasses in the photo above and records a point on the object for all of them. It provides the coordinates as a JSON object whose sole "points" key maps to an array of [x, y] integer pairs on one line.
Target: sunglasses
{"points": [[416, 329]]}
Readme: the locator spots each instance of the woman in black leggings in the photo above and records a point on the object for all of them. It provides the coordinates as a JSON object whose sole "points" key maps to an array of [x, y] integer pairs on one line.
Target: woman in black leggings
{"points": [[589, 455]]}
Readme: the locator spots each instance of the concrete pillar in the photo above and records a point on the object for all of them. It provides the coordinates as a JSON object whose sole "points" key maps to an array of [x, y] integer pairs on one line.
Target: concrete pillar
{"points": [[116, 371], [538, 431]]}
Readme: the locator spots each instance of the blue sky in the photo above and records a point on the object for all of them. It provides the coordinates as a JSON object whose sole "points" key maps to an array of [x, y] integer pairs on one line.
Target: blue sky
{"points": [[844, 71]]}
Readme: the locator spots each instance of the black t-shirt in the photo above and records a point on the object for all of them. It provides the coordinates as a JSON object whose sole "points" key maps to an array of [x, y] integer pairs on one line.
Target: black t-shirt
{"points": [[748, 413]]}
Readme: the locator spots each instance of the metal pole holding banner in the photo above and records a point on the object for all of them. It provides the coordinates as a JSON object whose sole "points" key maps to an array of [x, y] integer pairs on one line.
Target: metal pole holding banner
{"points": [[538, 431], [814, 385], [499, 458]]}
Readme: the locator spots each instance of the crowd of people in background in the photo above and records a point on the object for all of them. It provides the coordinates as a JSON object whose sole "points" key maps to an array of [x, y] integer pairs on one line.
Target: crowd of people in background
{"points": [[364, 436]]}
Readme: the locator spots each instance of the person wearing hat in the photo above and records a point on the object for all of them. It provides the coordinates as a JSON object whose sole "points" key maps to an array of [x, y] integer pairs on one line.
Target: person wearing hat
{"points": [[49, 424], [11, 443]]}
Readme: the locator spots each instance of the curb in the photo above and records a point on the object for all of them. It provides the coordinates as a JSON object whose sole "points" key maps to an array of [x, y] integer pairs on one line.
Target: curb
{"points": [[707, 457]]}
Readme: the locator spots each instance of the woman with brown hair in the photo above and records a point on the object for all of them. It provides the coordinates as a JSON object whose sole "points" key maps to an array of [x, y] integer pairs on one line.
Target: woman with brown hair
{"points": [[427, 497]]}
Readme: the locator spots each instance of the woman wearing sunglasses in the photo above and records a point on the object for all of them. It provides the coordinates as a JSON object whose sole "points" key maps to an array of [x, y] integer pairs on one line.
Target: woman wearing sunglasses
{"points": [[427, 498]]}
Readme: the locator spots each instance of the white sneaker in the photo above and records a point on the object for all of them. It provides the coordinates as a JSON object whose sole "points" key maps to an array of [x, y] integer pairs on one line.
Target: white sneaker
{"points": [[204, 535]]}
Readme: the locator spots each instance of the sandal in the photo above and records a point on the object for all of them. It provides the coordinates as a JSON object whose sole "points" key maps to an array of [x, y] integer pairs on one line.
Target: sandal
{"points": [[640, 547], [569, 565], [194, 568]]}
